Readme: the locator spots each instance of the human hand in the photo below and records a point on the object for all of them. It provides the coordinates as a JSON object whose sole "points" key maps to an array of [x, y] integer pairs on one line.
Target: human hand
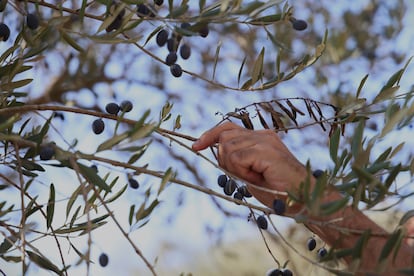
{"points": [[258, 157]]}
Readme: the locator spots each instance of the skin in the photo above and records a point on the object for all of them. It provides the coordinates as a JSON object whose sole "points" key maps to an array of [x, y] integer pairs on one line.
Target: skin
{"points": [[262, 160]]}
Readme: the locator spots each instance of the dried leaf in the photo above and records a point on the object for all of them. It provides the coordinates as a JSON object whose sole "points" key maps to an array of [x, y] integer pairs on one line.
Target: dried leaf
{"points": [[288, 113], [246, 120], [262, 120], [294, 108], [277, 122]]}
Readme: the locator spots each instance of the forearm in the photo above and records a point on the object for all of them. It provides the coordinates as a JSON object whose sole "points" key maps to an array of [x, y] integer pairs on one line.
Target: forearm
{"points": [[344, 228]]}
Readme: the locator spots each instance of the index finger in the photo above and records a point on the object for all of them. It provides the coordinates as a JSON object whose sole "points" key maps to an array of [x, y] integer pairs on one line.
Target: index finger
{"points": [[210, 137]]}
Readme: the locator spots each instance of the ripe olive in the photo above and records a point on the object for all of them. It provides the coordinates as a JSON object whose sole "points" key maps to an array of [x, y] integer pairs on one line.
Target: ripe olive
{"points": [[172, 44], [162, 38], [98, 126], [112, 108], [204, 31], [176, 70], [322, 252], [115, 25], [4, 32], [103, 260], [275, 272], [262, 222], [126, 106], [279, 207], [32, 21], [221, 180], [171, 58], [94, 167], [143, 11], [230, 187], [317, 173], [311, 244], [244, 191], [185, 25], [287, 272], [238, 195], [46, 152], [299, 25], [185, 51], [133, 183]]}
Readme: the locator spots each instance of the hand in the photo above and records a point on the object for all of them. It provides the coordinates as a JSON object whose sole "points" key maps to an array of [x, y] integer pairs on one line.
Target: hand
{"points": [[258, 157]]}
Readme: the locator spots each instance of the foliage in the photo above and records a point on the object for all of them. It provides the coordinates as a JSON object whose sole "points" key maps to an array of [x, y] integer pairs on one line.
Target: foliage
{"points": [[83, 50]]}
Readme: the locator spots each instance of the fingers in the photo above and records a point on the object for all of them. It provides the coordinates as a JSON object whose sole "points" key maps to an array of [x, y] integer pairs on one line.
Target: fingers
{"points": [[212, 136]]}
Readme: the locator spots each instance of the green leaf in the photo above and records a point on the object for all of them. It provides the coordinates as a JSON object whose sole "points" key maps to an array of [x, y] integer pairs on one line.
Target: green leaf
{"points": [[182, 9], [71, 41], [332, 207], [361, 85], [131, 214], [74, 216], [392, 175], [240, 71], [13, 85], [116, 195], [356, 143], [29, 210], [266, 20], [216, 58], [31, 166], [390, 245], [5, 245], [115, 140], [50, 208], [43, 262], [92, 177], [360, 245], [108, 20], [166, 178], [397, 118], [9, 122], [153, 33], [334, 144], [258, 67], [72, 199], [145, 212]]}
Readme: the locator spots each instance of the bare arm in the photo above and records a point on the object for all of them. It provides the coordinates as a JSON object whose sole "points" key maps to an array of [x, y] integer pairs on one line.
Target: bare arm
{"points": [[261, 159]]}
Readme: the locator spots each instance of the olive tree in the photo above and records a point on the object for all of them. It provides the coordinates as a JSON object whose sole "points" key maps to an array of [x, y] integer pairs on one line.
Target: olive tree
{"points": [[103, 95]]}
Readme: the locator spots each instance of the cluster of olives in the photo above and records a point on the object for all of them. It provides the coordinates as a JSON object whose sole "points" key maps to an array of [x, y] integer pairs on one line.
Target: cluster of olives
{"points": [[173, 41], [143, 10], [230, 187], [311, 244], [98, 125], [32, 22]]}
